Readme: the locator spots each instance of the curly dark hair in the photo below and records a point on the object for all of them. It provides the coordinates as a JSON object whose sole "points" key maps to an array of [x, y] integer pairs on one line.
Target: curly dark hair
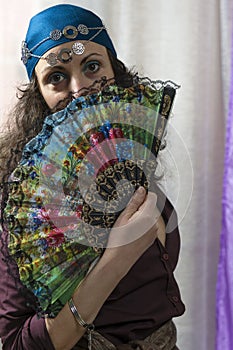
{"points": [[27, 117]]}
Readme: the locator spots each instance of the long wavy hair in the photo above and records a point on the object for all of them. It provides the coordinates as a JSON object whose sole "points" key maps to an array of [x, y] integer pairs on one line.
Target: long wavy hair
{"points": [[27, 116]]}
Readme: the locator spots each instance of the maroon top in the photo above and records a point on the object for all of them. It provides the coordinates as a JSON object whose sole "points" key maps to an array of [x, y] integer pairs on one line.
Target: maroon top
{"points": [[144, 300]]}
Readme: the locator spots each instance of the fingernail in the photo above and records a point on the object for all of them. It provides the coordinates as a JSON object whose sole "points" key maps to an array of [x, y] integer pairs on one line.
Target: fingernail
{"points": [[141, 189]]}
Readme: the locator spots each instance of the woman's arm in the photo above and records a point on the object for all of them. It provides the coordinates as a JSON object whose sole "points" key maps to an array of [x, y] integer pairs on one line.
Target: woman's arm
{"points": [[116, 261]]}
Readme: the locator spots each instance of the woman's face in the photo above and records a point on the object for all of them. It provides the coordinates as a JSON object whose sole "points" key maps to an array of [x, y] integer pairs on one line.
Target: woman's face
{"points": [[57, 82]]}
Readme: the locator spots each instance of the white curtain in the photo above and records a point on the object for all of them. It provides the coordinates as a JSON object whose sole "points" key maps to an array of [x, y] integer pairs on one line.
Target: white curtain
{"points": [[188, 42]]}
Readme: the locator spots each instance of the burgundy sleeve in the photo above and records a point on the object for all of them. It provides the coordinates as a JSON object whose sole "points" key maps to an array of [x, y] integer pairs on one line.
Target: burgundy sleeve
{"points": [[20, 328], [172, 233]]}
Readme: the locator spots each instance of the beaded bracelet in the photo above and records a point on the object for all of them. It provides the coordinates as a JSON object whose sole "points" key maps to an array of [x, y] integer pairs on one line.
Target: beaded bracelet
{"points": [[89, 326]]}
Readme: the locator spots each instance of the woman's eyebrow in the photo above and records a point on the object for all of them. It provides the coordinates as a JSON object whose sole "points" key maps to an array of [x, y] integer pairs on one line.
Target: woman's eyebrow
{"points": [[88, 56], [51, 69]]}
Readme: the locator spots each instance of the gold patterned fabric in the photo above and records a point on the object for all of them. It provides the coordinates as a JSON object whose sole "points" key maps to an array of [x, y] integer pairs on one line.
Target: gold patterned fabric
{"points": [[162, 339]]}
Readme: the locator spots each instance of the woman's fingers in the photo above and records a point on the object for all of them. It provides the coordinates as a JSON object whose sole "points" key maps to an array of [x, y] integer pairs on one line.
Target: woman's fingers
{"points": [[139, 217], [135, 202], [148, 208]]}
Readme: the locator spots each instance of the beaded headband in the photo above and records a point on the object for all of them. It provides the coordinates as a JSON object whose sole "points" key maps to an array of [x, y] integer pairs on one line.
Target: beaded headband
{"points": [[61, 24]]}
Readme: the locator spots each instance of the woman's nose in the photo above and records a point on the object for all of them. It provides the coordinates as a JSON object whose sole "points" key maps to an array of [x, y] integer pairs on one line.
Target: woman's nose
{"points": [[78, 85]]}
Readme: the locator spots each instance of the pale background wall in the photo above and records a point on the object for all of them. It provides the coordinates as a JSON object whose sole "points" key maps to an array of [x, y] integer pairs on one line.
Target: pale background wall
{"points": [[188, 42]]}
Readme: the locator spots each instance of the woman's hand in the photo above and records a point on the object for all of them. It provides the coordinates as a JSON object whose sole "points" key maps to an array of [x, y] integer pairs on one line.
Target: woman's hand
{"points": [[134, 231]]}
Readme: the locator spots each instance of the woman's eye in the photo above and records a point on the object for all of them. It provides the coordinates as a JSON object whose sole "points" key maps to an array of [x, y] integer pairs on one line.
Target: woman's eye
{"points": [[56, 78], [92, 67]]}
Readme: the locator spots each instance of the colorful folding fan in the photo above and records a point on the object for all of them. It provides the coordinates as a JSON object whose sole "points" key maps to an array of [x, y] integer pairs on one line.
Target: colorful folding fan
{"points": [[74, 179]]}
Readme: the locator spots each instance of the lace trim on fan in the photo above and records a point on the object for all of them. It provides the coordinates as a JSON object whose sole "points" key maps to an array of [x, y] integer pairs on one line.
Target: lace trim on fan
{"points": [[103, 83], [157, 84]]}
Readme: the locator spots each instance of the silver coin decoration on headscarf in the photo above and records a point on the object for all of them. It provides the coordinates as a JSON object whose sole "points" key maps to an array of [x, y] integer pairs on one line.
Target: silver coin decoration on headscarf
{"points": [[78, 48], [51, 59], [83, 29], [56, 34]]}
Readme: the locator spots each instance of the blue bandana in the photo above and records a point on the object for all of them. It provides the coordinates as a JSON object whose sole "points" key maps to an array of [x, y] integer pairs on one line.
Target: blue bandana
{"points": [[60, 24]]}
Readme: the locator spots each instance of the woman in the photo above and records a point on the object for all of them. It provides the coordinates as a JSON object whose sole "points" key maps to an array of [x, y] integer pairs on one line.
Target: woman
{"points": [[125, 303]]}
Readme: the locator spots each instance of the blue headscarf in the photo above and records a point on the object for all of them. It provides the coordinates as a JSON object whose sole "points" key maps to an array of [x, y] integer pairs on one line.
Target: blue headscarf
{"points": [[43, 28]]}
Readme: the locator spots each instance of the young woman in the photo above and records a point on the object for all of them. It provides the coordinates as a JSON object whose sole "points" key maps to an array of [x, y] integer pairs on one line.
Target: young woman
{"points": [[128, 299]]}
